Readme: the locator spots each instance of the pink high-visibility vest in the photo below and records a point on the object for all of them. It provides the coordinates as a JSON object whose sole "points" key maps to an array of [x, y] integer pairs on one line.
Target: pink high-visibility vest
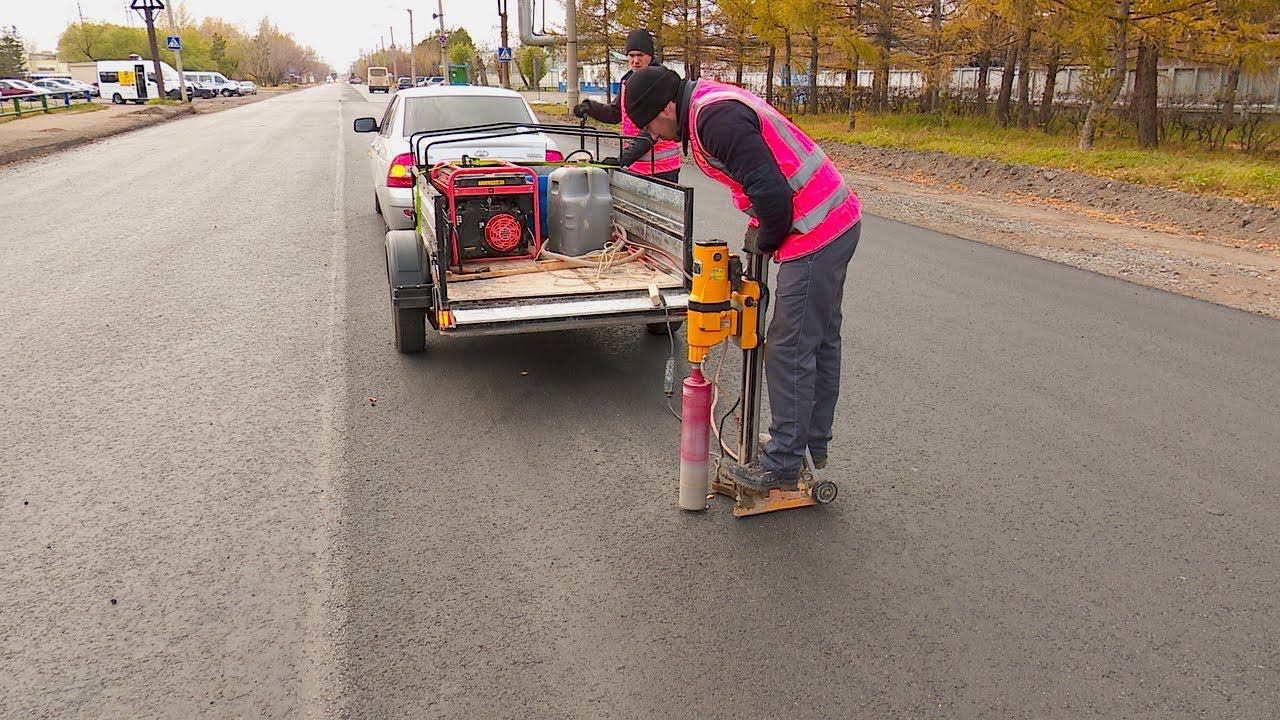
{"points": [[665, 156], [823, 207]]}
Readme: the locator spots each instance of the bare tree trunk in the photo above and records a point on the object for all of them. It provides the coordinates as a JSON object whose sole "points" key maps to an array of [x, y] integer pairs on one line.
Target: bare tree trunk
{"points": [[1050, 86], [1229, 91], [768, 74], [697, 39], [1145, 108], [738, 66], [932, 92], [787, 71], [1119, 69], [1003, 100], [1024, 80], [884, 39], [984, 72], [813, 73]]}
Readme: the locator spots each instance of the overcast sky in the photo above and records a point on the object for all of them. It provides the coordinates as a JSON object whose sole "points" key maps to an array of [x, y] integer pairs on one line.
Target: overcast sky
{"points": [[337, 30]]}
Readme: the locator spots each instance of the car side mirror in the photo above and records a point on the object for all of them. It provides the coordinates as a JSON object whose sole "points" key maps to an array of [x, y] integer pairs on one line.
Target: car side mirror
{"points": [[365, 125]]}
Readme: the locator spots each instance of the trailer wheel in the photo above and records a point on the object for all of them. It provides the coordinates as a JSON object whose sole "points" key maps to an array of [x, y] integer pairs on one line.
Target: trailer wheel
{"points": [[410, 326], [662, 328]]}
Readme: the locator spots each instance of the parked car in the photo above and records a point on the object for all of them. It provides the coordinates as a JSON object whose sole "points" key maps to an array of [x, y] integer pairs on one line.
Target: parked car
{"points": [[6, 90], [435, 80], [201, 90], [65, 85], [433, 108], [247, 87], [24, 87], [92, 89], [60, 88], [404, 83]]}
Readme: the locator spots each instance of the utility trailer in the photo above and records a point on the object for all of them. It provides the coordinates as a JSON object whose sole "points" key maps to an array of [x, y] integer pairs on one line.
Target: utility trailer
{"points": [[430, 288]]}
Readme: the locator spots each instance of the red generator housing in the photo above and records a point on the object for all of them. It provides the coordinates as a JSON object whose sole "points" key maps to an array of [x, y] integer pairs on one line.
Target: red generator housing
{"points": [[490, 211]]}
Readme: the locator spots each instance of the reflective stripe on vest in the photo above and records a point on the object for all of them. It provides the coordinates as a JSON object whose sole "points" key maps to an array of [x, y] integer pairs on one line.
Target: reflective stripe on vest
{"points": [[665, 156], [823, 207]]}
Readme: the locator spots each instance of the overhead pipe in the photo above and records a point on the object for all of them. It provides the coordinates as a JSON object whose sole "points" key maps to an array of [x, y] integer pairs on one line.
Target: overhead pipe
{"points": [[569, 39]]}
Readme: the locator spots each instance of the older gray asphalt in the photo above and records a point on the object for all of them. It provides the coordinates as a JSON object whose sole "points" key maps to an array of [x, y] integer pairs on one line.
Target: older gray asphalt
{"points": [[1058, 490]]}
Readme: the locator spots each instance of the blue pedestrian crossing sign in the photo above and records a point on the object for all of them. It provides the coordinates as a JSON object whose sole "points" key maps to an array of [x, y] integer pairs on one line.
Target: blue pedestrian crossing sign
{"points": [[173, 42], [504, 54]]}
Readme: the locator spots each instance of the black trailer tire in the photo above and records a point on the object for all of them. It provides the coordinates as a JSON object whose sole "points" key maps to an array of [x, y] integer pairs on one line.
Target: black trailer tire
{"points": [[410, 329], [662, 328]]}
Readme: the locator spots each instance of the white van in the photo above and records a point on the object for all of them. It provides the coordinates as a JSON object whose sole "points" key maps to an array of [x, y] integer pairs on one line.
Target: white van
{"points": [[134, 80], [215, 80]]}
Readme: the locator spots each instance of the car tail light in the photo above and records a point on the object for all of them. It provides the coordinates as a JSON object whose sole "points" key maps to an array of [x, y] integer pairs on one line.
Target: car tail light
{"points": [[555, 156], [399, 175]]}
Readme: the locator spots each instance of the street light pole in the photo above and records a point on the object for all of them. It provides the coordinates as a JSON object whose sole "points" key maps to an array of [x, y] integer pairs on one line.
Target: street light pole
{"points": [[177, 56], [413, 61], [444, 59], [504, 68], [395, 70]]}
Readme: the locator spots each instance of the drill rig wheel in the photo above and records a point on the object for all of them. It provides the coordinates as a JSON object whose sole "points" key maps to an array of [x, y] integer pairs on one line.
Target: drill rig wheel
{"points": [[825, 492]]}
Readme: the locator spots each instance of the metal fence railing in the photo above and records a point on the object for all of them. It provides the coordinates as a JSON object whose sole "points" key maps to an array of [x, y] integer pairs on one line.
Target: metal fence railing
{"points": [[43, 103]]}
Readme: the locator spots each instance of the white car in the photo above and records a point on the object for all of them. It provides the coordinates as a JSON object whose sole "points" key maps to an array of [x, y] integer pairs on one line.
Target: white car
{"points": [[434, 108], [61, 87], [247, 87]]}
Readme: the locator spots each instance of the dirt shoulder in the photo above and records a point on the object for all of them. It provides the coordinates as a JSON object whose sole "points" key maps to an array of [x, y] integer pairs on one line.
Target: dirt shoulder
{"points": [[1215, 249], [39, 135]]}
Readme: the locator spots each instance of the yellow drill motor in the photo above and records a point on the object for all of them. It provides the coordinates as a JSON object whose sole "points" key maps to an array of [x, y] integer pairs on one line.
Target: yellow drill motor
{"points": [[722, 303]]}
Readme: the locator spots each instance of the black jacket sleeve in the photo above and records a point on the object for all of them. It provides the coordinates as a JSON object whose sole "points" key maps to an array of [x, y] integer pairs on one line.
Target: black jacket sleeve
{"points": [[635, 148], [730, 132], [611, 113]]}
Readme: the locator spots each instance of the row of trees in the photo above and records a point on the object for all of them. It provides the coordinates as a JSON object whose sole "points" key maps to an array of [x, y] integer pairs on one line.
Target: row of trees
{"points": [[266, 56], [1108, 38]]}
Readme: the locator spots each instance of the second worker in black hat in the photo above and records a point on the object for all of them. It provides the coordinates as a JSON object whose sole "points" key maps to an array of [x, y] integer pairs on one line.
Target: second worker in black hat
{"points": [[642, 155]]}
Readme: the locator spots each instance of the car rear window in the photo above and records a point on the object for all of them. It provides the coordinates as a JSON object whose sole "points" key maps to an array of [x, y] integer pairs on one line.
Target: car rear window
{"points": [[434, 113]]}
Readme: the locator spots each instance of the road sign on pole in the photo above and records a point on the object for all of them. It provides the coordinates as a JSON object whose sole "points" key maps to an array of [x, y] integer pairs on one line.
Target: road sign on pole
{"points": [[504, 54], [173, 42], [444, 39]]}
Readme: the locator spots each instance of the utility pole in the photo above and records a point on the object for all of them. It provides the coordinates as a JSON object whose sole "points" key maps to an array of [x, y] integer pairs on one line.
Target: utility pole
{"points": [[395, 71], [148, 10], [413, 61], [571, 49], [177, 55], [504, 68], [444, 59]]}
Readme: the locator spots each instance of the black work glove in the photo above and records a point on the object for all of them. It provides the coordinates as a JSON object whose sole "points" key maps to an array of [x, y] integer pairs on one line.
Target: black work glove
{"points": [[610, 161], [580, 110], [750, 241]]}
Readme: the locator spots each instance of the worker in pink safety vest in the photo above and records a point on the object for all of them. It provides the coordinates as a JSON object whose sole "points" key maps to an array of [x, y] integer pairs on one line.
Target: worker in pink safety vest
{"points": [[803, 215], [660, 159]]}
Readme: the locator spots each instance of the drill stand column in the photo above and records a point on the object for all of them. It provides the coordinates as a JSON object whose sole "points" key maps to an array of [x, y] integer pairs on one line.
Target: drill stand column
{"points": [[810, 489]]}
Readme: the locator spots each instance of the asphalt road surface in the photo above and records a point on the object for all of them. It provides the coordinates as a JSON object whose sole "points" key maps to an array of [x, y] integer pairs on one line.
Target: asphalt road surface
{"points": [[224, 494]]}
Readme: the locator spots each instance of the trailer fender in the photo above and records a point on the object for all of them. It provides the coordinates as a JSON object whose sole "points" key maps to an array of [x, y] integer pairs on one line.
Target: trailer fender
{"points": [[407, 274]]}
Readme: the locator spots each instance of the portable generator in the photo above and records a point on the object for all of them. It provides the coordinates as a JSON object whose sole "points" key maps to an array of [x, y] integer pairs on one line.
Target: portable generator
{"points": [[489, 209]]}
